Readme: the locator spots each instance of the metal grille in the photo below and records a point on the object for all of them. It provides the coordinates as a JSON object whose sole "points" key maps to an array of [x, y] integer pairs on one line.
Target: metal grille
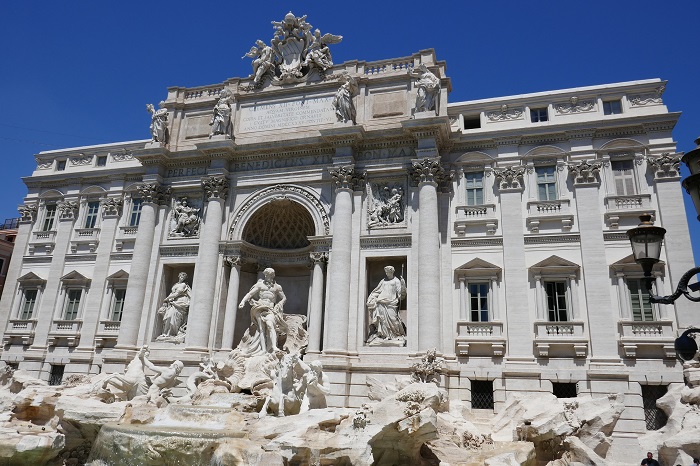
{"points": [[482, 394], [654, 417], [564, 390], [56, 376]]}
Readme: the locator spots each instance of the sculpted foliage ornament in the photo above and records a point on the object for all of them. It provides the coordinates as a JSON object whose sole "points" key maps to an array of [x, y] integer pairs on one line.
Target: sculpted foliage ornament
{"points": [[574, 106], [27, 213], [67, 209], [510, 177], [153, 193], [345, 177], [111, 206], [648, 98], [293, 53], [666, 166], [428, 170], [585, 172], [505, 114], [215, 187]]}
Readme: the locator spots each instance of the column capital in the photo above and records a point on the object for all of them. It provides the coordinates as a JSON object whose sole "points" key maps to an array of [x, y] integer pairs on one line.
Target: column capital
{"points": [[27, 212], [233, 261], [585, 173], [67, 210], [510, 178], [666, 167], [318, 257], [153, 193], [345, 177], [215, 187], [429, 170], [111, 206]]}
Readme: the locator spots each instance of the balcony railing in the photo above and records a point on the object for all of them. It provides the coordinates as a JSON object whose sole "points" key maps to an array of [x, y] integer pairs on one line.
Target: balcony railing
{"points": [[617, 207], [85, 236], [656, 338], [20, 329], [566, 338], [68, 330], [474, 215], [556, 212], [480, 338], [108, 331]]}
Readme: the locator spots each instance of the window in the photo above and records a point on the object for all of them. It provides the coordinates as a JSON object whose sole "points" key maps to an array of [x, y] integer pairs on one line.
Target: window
{"points": [[102, 161], [546, 183], [49, 217], [557, 303], [482, 394], [612, 107], [56, 376], [91, 215], [118, 304], [475, 188], [642, 309], [623, 174], [479, 302], [654, 417], [60, 165], [135, 216], [564, 390], [72, 304], [28, 302], [472, 122], [538, 115]]}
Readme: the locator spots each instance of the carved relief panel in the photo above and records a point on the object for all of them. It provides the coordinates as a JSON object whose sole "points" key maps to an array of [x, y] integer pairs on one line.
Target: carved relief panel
{"points": [[386, 203], [185, 217]]}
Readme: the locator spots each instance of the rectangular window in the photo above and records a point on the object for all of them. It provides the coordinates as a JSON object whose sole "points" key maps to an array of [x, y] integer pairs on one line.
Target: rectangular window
{"points": [[91, 215], [642, 309], [482, 394], [72, 304], [538, 115], [556, 301], [49, 217], [28, 302], [472, 122], [612, 107], [654, 417], [564, 390], [479, 302], [102, 161], [546, 183], [60, 165], [135, 216], [118, 304], [623, 174], [475, 188], [56, 376]]}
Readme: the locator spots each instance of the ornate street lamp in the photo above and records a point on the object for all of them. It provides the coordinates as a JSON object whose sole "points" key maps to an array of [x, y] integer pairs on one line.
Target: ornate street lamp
{"points": [[692, 183]]}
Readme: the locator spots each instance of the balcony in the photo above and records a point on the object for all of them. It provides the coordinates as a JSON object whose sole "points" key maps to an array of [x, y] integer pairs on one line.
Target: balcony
{"points": [[560, 339], [480, 339], [68, 330], [108, 332], [554, 213], [42, 240], [620, 207], [654, 338], [88, 238], [18, 329], [483, 216], [127, 236]]}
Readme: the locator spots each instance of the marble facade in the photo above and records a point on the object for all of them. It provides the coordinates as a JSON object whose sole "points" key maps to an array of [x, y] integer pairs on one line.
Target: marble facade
{"points": [[509, 233]]}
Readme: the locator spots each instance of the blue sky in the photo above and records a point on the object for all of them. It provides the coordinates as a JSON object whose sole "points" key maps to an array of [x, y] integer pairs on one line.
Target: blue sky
{"points": [[80, 73]]}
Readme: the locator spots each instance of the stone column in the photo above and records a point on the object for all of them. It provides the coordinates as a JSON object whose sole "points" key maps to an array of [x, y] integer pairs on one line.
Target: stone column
{"points": [[152, 196], [231, 312], [463, 300], [206, 268], [428, 172], [316, 306], [622, 296], [337, 317], [541, 301], [111, 208]]}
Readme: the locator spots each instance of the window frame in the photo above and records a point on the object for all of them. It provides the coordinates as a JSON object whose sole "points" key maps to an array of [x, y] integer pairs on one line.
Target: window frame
{"points": [[50, 211], [92, 214], [29, 281], [61, 165], [551, 184], [135, 209], [23, 302], [474, 189], [77, 307], [480, 312], [608, 107], [556, 312], [650, 308], [536, 114], [631, 177], [113, 303]]}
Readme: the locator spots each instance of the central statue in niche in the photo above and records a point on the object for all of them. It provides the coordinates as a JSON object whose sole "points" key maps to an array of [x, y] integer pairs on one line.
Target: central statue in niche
{"points": [[386, 327], [268, 326]]}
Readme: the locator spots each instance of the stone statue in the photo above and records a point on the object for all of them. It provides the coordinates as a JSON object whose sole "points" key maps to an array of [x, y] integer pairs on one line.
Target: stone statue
{"points": [[263, 60], [185, 219], [133, 381], [316, 385], [386, 327], [386, 207], [159, 123], [428, 369], [287, 392], [428, 85], [164, 381], [343, 100], [221, 119], [319, 54], [174, 311], [266, 315]]}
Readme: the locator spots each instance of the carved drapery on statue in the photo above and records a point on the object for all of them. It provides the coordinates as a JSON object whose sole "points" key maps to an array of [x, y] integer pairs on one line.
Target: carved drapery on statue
{"points": [[343, 100], [221, 119], [428, 94], [173, 312], [385, 204], [385, 325], [293, 53], [159, 123], [185, 219]]}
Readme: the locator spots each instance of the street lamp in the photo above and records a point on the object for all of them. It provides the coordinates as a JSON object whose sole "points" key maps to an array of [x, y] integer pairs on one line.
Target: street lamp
{"points": [[692, 183]]}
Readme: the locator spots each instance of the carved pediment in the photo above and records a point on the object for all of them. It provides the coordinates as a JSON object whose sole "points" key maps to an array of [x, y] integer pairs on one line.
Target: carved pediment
{"points": [[478, 268], [119, 276], [627, 265], [30, 280], [555, 265], [75, 278]]}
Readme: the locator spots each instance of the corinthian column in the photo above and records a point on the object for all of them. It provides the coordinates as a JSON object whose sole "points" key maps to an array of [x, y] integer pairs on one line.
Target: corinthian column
{"points": [[151, 195], [230, 314], [207, 266], [316, 308], [337, 317], [428, 172]]}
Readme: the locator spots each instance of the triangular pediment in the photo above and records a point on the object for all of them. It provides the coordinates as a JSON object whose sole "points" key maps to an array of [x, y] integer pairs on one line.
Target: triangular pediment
{"points": [[478, 264], [478, 268], [627, 265], [31, 279], [75, 278], [555, 261], [119, 275]]}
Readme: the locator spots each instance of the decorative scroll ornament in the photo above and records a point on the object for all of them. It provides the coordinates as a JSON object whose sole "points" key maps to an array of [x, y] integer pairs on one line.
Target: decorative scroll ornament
{"points": [[153, 193], [574, 106], [67, 209], [81, 159], [40, 165], [385, 206], [27, 213], [124, 156], [505, 114], [185, 219], [510, 177], [293, 53], [666, 166], [215, 187], [345, 177], [648, 98], [428, 170], [111, 206], [585, 172], [318, 257]]}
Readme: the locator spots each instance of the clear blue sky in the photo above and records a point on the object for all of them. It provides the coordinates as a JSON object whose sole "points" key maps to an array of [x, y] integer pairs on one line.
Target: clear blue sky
{"points": [[79, 73]]}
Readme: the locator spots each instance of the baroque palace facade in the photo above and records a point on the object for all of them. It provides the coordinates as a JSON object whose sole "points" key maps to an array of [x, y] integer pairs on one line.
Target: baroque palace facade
{"points": [[505, 217]]}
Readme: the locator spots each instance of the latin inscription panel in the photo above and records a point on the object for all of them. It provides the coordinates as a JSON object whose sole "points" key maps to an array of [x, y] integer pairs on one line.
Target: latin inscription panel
{"points": [[291, 114]]}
